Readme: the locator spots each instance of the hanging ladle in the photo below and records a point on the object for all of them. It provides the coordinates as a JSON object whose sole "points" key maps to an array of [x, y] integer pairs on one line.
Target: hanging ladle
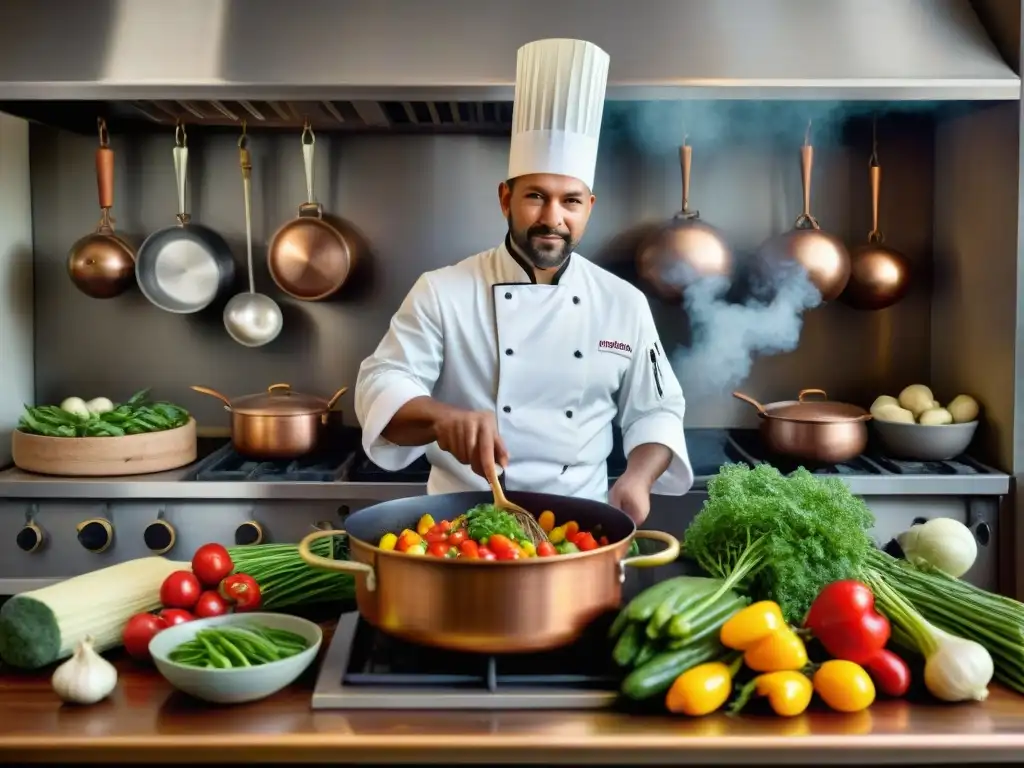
{"points": [[252, 319]]}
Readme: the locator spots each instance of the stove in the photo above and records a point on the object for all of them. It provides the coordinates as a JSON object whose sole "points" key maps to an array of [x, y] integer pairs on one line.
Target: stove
{"points": [[365, 668]]}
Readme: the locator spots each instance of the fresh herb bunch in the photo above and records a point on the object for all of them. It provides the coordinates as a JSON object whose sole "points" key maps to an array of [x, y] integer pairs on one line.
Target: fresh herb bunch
{"points": [[485, 520], [136, 416], [778, 537]]}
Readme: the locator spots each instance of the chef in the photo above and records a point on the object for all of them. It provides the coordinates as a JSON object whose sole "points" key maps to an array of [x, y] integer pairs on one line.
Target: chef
{"points": [[521, 357]]}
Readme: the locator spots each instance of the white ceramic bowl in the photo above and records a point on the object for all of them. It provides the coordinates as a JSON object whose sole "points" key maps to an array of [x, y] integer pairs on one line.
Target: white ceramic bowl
{"points": [[924, 442], [234, 686]]}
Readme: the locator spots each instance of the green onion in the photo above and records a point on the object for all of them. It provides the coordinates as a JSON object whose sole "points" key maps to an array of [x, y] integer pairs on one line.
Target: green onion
{"points": [[287, 581]]}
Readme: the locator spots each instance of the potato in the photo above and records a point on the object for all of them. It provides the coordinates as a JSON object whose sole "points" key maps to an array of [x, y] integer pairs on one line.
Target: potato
{"points": [[935, 417], [883, 400], [917, 398], [963, 409], [890, 412]]}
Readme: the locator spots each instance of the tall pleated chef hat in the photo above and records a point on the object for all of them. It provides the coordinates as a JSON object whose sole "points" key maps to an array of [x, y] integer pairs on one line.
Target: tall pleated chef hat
{"points": [[559, 103]]}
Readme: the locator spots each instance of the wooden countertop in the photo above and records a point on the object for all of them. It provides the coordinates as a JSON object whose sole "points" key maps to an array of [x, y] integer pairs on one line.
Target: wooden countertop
{"points": [[145, 720]]}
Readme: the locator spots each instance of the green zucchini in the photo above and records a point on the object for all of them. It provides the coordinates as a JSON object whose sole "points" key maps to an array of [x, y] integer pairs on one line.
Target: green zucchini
{"points": [[628, 646], [657, 675]]}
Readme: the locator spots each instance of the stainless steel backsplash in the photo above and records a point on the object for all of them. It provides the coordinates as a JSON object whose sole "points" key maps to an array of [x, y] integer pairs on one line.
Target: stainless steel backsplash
{"points": [[421, 202]]}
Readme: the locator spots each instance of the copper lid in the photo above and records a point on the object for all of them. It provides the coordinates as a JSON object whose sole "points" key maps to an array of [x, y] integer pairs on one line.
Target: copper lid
{"points": [[279, 400], [806, 410]]}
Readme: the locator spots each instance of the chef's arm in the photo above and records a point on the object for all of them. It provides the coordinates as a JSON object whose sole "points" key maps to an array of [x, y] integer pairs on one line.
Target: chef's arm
{"points": [[399, 377], [651, 411]]}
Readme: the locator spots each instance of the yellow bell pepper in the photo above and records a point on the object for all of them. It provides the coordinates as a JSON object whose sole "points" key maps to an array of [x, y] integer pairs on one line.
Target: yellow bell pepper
{"points": [[388, 541], [528, 549], [844, 686], [780, 651], [701, 690], [424, 525], [546, 520], [789, 693], [557, 535], [751, 625]]}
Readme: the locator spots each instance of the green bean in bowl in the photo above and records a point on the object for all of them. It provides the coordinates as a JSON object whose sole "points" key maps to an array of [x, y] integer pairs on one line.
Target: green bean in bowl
{"points": [[238, 657]]}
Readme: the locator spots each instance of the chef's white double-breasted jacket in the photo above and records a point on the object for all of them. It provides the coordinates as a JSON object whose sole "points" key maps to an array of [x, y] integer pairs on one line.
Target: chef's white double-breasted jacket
{"points": [[555, 363]]}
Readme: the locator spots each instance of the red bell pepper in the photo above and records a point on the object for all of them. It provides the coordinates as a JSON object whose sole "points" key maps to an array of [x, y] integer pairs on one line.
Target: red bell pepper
{"points": [[844, 619]]}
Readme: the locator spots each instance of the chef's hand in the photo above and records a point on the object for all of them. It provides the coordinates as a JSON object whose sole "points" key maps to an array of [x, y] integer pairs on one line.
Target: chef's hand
{"points": [[632, 494], [472, 438]]}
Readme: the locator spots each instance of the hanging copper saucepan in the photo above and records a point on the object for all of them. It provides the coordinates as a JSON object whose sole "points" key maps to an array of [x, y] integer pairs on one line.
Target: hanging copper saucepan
{"points": [[820, 431], [823, 255], [277, 424], [101, 264], [309, 258], [685, 249], [879, 275]]}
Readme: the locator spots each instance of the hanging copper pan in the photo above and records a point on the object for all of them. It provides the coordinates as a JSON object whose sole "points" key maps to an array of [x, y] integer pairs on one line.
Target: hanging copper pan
{"points": [[101, 264], [685, 249], [879, 275], [309, 258], [823, 255]]}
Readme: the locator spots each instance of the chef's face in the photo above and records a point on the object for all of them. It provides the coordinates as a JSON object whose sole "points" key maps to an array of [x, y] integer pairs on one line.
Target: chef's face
{"points": [[547, 215]]}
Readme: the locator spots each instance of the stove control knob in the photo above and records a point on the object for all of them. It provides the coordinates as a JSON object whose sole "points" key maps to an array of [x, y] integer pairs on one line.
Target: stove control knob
{"points": [[159, 537], [96, 534], [30, 538], [249, 532]]}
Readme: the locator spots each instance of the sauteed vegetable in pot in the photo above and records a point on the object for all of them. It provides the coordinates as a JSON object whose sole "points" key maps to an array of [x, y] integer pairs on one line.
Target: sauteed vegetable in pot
{"points": [[486, 532]]}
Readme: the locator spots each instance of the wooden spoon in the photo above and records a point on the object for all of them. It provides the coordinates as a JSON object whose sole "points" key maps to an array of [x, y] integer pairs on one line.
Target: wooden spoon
{"points": [[525, 519]]}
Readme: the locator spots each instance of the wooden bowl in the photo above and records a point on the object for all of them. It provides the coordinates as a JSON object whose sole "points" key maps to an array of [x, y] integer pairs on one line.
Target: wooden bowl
{"points": [[105, 456]]}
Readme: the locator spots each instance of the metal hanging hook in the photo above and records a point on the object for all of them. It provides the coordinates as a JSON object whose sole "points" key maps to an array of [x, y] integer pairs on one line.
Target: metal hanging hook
{"points": [[101, 126], [308, 137], [180, 137], [874, 141], [243, 140]]}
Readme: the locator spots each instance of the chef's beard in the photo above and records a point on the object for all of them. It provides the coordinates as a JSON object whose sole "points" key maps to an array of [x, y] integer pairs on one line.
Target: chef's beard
{"points": [[541, 254]]}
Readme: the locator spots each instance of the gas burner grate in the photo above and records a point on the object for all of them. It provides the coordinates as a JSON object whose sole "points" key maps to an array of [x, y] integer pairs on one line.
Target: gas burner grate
{"points": [[226, 465], [958, 466]]}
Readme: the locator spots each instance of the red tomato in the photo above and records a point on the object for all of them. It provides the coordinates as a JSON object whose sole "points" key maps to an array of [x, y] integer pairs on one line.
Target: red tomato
{"points": [[175, 616], [211, 563], [180, 590], [210, 603], [486, 554], [438, 549], [457, 537], [242, 590], [509, 554], [603, 541], [499, 543], [140, 629], [445, 525], [585, 542], [433, 536], [546, 549], [889, 672], [469, 549]]}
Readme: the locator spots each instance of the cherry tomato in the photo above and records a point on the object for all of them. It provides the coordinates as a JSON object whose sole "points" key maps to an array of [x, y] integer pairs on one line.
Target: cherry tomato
{"points": [[180, 590], [242, 590], [499, 543], [457, 537], [175, 616], [433, 536], [438, 549], [585, 542], [469, 549], [211, 563], [509, 554], [603, 541], [546, 549], [210, 603], [140, 629], [445, 525], [486, 554], [571, 529]]}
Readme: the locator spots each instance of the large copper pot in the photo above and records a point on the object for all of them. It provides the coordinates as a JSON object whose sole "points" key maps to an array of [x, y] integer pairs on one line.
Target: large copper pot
{"points": [[480, 606], [821, 254], [277, 424], [821, 431], [684, 250]]}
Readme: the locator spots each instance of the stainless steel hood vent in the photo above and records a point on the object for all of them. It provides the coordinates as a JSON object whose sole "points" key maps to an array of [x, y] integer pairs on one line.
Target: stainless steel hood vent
{"points": [[442, 51]]}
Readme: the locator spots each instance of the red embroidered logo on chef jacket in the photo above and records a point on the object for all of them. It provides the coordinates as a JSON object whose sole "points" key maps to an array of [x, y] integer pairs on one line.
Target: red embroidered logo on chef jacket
{"points": [[615, 347]]}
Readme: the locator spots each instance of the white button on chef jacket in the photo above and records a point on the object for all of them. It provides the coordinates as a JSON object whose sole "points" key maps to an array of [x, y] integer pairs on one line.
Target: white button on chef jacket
{"points": [[555, 363]]}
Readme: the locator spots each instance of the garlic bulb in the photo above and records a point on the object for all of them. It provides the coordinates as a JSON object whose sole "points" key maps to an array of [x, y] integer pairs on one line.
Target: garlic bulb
{"points": [[86, 677]]}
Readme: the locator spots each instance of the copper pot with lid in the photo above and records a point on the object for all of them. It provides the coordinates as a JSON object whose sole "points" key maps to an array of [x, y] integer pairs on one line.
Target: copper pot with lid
{"points": [[277, 424], [821, 254], [821, 431], [685, 249]]}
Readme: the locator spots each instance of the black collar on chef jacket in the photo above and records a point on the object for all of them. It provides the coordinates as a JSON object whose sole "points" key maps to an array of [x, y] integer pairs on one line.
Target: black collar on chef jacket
{"points": [[529, 269]]}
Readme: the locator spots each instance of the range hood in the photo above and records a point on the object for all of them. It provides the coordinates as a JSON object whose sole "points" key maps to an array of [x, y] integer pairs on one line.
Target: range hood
{"points": [[444, 51]]}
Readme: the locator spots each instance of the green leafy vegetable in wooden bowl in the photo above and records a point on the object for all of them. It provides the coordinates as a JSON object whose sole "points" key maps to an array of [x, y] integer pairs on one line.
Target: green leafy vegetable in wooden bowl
{"points": [[101, 418]]}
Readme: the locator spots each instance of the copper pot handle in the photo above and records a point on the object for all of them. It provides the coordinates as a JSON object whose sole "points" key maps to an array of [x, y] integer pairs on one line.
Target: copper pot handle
{"points": [[802, 396], [105, 178], [327, 564], [213, 393], [274, 387], [335, 398], [668, 555], [806, 220], [751, 401]]}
